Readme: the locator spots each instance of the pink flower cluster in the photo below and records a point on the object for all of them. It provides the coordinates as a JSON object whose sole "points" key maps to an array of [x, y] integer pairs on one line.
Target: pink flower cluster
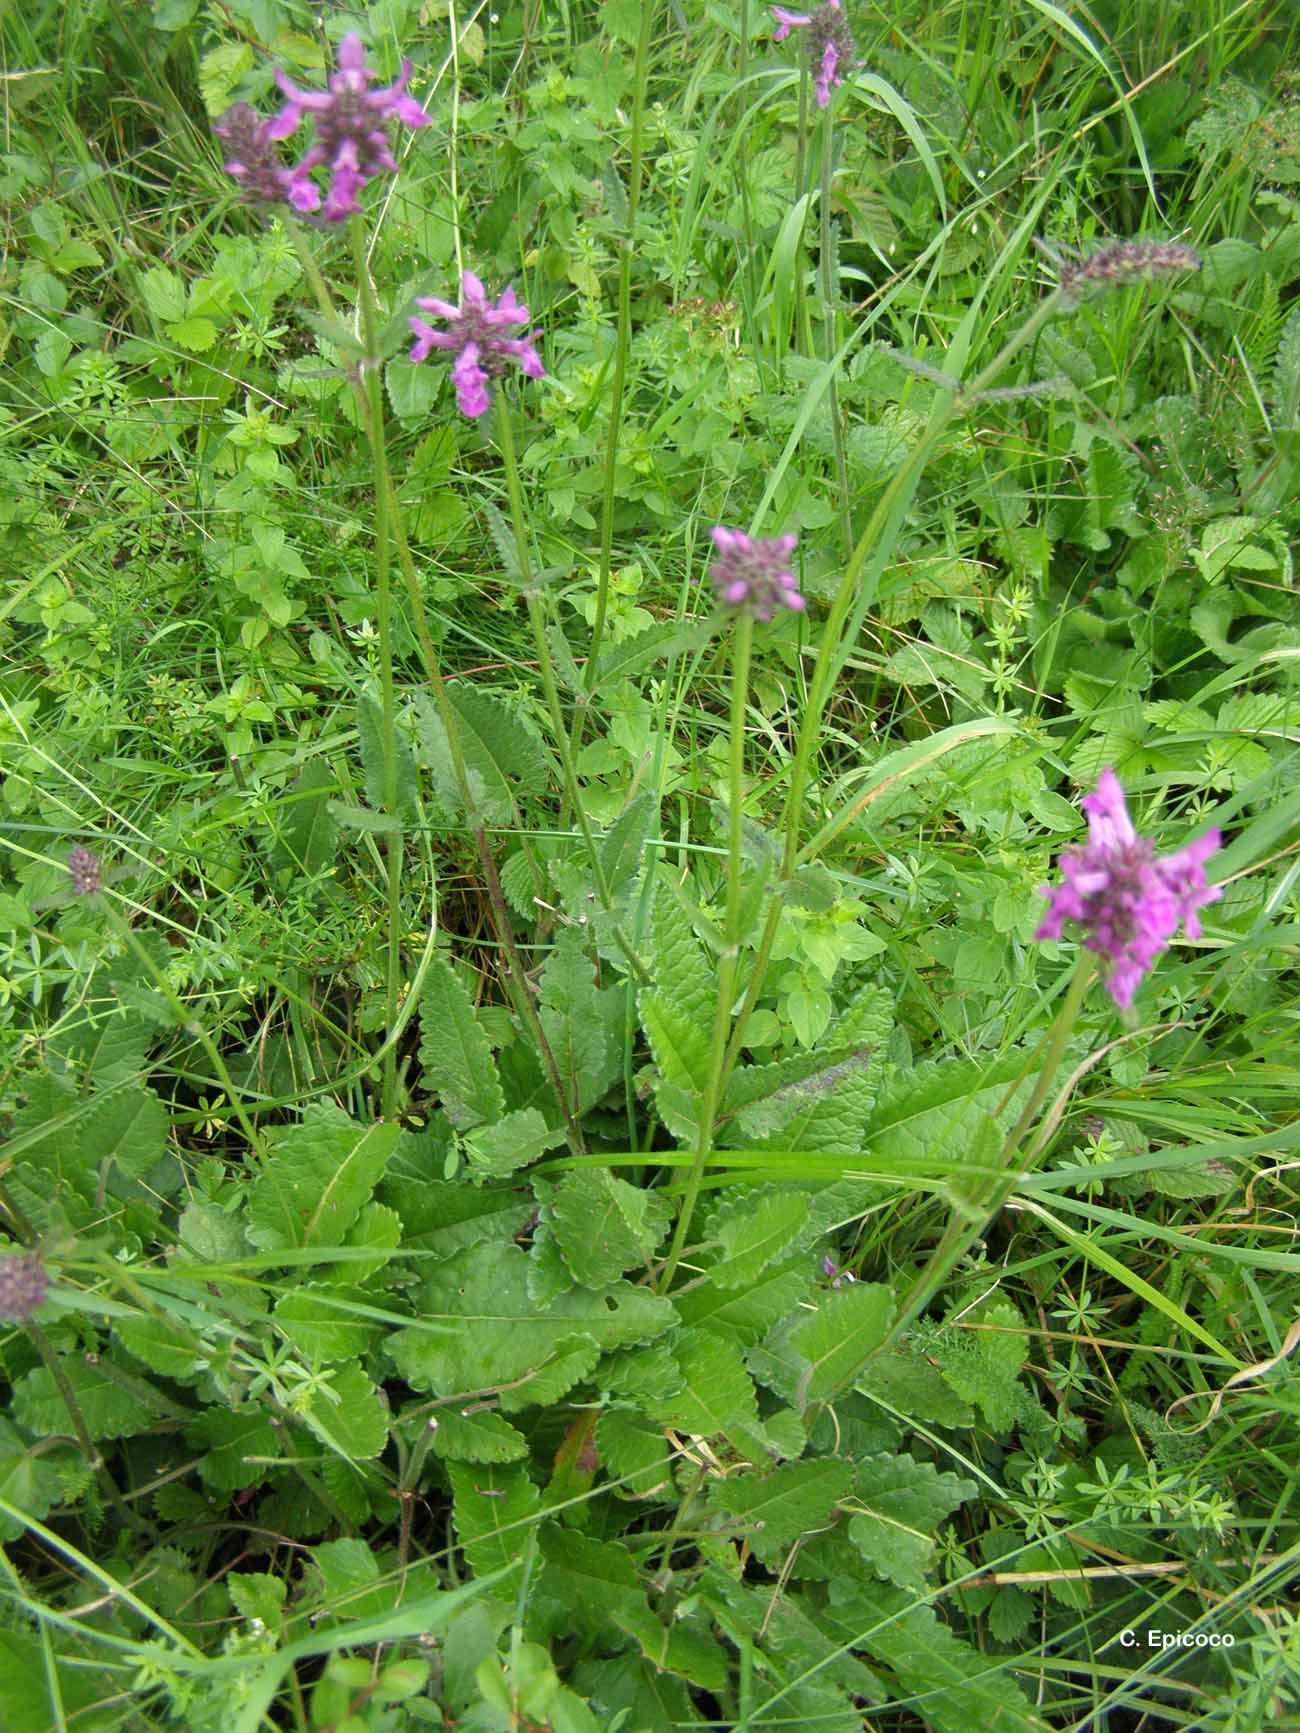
{"points": [[830, 45], [351, 141], [753, 573], [1129, 903], [476, 334]]}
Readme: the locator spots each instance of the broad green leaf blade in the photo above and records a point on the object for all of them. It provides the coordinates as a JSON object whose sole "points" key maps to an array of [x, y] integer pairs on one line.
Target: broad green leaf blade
{"points": [[494, 1507], [478, 1327], [899, 1506], [513, 1142], [756, 1234], [839, 1337], [454, 1052], [604, 1226], [581, 1023], [317, 1177], [777, 1509], [477, 1436]]}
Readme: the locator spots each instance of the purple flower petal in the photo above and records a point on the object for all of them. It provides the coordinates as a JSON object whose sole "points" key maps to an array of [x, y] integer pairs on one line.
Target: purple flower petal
{"points": [[1129, 903], [753, 573], [475, 334]]}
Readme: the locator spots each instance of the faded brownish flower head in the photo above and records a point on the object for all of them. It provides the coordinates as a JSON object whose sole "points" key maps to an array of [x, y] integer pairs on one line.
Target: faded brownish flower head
{"points": [[83, 869], [23, 1285], [1126, 262]]}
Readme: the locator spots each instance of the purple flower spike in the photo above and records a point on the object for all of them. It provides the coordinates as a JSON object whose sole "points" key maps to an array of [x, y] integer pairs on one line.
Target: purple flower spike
{"points": [[255, 163], [475, 333], [1129, 903], [351, 121], [830, 44], [754, 574]]}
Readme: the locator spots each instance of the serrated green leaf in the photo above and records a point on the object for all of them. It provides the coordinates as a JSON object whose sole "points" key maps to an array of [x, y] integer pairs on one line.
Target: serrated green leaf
{"points": [[940, 1108], [898, 1507], [914, 1387], [491, 1506], [598, 1581], [108, 1051], [109, 1409], [826, 1110], [839, 1337], [628, 657], [377, 1228], [572, 1360], [754, 1236], [362, 818], [717, 1397], [370, 730], [604, 1226], [504, 537], [477, 1436], [211, 1235], [777, 1509], [129, 1128], [622, 848], [504, 758], [754, 1309], [318, 1328], [513, 1142], [258, 1595], [808, 1675], [579, 1021], [454, 1052], [642, 1375], [958, 1685], [1286, 372], [306, 835], [981, 1358], [164, 293], [412, 387], [155, 1344], [195, 334], [566, 668], [317, 1177], [479, 1329], [29, 1478], [227, 1437], [634, 1453], [812, 887], [348, 1569], [348, 1414], [220, 71], [681, 1052]]}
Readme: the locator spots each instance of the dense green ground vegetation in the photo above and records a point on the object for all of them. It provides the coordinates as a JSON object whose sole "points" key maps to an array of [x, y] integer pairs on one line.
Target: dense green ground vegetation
{"points": [[547, 1179]]}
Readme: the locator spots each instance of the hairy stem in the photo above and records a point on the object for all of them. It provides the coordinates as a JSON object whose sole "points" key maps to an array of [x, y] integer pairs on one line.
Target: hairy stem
{"points": [[830, 290], [516, 977], [393, 851], [968, 1224], [622, 344], [729, 960]]}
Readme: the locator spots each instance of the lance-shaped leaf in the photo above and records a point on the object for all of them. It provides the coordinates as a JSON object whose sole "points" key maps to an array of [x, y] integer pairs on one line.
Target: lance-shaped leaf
{"points": [[578, 1023], [898, 1506], [598, 1581], [455, 1057], [777, 1509], [478, 1328], [317, 1178]]}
